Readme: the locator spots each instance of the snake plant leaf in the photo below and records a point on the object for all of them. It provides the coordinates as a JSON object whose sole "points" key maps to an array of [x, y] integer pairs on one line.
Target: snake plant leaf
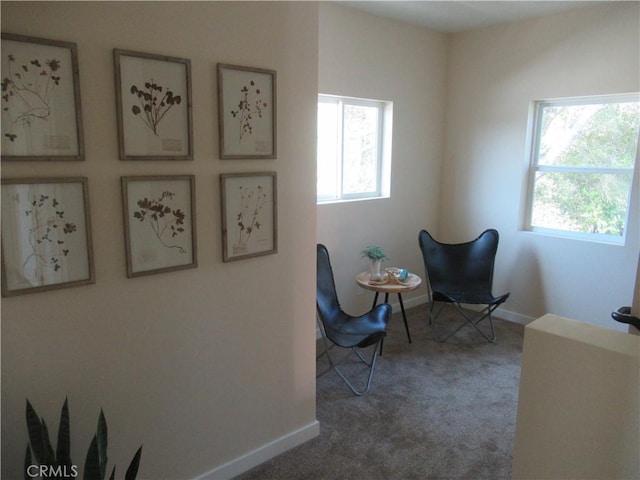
{"points": [[35, 433], [92, 462], [132, 471], [63, 449], [101, 436], [49, 456], [113, 473], [27, 463]]}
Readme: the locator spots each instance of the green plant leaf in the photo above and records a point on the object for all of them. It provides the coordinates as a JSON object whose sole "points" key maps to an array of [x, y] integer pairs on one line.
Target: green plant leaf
{"points": [[35, 433], [27, 463], [132, 471], [102, 443], [49, 456], [92, 462], [374, 252], [113, 473], [63, 448]]}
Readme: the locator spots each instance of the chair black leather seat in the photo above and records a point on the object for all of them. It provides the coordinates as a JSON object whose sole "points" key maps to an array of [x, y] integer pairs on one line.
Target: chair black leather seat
{"points": [[462, 274], [344, 330]]}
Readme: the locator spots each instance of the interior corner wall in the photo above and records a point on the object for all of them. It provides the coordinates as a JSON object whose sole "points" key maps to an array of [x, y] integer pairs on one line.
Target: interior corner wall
{"points": [[362, 55], [200, 366], [493, 75]]}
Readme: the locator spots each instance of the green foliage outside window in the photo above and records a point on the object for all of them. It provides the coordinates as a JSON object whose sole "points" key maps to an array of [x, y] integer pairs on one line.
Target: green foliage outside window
{"points": [[585, 161]]}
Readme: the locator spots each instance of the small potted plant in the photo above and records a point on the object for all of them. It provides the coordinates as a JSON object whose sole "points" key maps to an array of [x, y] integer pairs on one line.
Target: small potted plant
{"points": [[376, 255]]}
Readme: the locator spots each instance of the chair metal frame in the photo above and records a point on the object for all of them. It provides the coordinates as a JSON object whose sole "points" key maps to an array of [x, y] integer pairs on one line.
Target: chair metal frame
{"points": [[333, 364], [339, 329], [479, 255], [469, 320]]}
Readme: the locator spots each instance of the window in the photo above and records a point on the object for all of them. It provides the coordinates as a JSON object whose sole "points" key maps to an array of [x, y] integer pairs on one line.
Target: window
{"points": [[353, 148], [583, 153]]}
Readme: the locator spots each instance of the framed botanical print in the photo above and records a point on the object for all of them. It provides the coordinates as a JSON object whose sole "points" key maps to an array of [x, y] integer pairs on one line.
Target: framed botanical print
{"points": [[41, 112], [153, 103], [249, 215], [46, 234], [246, 112], [159, 221]]}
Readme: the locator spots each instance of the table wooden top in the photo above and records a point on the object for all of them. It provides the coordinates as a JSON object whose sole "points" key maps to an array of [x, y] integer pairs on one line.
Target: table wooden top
{"points": [[412, 282]]}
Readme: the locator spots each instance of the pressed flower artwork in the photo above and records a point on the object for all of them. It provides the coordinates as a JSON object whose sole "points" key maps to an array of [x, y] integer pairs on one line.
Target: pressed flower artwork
{"points": [[247, 112], [154, 106], [247, 218], [154, 102], [159, 223], [166, 222], [41, 118], [249, 214], [46, 241], [249, 109]]}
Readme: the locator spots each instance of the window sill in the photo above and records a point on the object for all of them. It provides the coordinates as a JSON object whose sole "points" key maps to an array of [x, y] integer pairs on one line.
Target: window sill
{"points": [[581, 237], [350, 200]]}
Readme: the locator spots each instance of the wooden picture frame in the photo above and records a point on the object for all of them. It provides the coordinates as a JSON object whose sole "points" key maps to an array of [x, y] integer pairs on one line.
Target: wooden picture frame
{"points": [[41, 110], [46, 234], [153, 105], [249, 215], [159, 223], [247, 112]]}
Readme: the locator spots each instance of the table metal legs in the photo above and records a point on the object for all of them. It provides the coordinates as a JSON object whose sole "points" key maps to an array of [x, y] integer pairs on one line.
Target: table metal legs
{"points": [[404, 314]]}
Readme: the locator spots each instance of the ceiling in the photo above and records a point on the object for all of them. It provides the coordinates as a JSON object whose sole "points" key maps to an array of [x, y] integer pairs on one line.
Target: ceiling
{"points": [[458, 15]]}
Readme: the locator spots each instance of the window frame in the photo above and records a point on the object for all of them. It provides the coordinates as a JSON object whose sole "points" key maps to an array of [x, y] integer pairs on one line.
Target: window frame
{"points": [[382, 149], [533, 168]]}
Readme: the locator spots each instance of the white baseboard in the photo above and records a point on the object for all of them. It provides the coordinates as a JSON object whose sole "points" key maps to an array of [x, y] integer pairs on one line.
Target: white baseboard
{"points": [[280, 445], [260, 455], [504, 314], [500, 312], [408, 303], [513, 316]]}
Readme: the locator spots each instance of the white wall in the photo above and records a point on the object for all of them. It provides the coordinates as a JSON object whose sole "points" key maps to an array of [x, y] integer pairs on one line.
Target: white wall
{"points": [[203, 365], [183, 362], [493, 75], [363, 55]]}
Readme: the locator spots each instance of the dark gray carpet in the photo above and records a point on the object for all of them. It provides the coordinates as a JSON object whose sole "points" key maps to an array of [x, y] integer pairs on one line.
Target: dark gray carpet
{"points": [[435, 411]]}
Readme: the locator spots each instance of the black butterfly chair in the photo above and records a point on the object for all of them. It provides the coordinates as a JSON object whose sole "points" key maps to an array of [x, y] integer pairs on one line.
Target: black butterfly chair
{"points": [[462, 274], [344, 330]]}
